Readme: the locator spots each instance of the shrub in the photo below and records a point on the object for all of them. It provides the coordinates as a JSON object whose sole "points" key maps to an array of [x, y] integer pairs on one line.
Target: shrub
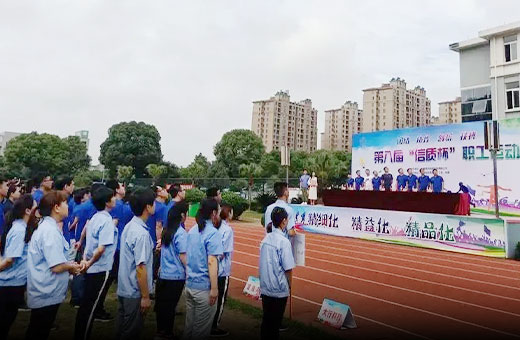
{"points": [[238, 203], [264, 200], [194, 195]]}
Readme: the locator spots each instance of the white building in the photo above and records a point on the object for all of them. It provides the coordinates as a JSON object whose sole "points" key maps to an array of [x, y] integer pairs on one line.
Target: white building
{"points": [[340, 125], [5, 137], [83, 136]]}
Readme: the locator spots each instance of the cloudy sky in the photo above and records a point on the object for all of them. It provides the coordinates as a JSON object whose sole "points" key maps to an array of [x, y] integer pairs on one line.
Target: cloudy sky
{"points": [[192, 68]]}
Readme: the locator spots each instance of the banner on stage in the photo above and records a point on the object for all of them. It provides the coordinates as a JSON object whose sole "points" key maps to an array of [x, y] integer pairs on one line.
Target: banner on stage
{"points": [[298, 243], [463, 234], [457, 151], [252, 288], [336, 315]]}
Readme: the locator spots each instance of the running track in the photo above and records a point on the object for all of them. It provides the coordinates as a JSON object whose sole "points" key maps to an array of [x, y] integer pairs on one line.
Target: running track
{"points": [[395, 292]]}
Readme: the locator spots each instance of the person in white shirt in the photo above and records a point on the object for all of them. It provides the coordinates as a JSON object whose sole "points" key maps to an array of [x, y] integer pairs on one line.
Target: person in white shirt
{"points": [[368, 180]]}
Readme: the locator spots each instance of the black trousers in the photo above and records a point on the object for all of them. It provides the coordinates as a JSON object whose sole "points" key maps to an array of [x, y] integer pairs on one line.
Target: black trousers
{"points": [[41, 322], [10, 299], [95, 285], [223, 286], [167, 295], [273, 309]]}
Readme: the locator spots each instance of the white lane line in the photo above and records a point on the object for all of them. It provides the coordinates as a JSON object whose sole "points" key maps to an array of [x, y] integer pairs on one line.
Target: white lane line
{"points": [[356, 315], [396, 304]]}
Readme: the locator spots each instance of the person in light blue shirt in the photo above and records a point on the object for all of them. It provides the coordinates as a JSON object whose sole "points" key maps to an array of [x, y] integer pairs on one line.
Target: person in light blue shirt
{"points": [[47, 266], [205, 245], [177, 194], [134, 280], [276, 264], [13, 262], [98, 258], [376, 181], [282, 192], [172, 274], [412, 180], [437, 182], [402, 180], [304, 186], [224, 267]]}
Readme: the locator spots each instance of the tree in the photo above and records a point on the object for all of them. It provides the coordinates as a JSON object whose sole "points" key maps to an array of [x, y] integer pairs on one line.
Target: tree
{"points": [[270, 164], [125, 173], [238, 147], [156, 171], [173, 170], [131, 144], [86, 177], [250, 171], [197, 169], [33, 154]]}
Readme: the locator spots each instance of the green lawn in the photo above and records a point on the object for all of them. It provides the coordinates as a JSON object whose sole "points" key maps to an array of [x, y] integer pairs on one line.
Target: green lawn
{"points": [[251, 216]]}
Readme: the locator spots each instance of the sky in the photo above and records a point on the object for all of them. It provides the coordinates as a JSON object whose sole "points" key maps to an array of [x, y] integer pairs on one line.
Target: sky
{"points": [[193, 68]]}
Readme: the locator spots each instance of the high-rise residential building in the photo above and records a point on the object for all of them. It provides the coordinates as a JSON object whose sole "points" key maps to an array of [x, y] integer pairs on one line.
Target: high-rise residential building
{"points": [[340, 125], [490, 74], [393, 106], [83, 136], [449, 112], [5, 137], [280, 122]]}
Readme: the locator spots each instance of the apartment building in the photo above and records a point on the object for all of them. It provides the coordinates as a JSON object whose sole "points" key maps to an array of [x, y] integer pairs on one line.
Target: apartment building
{"points": [[340, 125], [450, 112]]}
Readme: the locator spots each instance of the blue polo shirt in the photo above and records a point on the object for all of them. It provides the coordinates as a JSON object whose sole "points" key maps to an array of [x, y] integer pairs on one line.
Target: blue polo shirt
{"points": [[101, 231], [67, 233], [437, 183], [37, 196], [123, 214], [402, 180], [158, 216], [47, 249], [224, 263], [201, 245], [290, 212], [166, 211], [275, 259], [424, 182], [16, 249], [84, 212], [412, 182], [376, 183], [136, 248], [350, 183], [171, 264], [359, 182]]}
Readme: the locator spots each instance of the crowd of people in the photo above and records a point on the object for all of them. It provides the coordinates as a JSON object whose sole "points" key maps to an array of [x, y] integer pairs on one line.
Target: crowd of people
{"points": [[55, 236], [403, 182]]}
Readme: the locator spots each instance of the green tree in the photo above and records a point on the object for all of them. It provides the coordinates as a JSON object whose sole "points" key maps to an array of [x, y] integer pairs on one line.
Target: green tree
{"points": [[238, 147], [270, 163], [131, 144], [77, 156], [125, 173], [250, 171], [86, 177], [157, 171], [197, 169], [173, 170]]}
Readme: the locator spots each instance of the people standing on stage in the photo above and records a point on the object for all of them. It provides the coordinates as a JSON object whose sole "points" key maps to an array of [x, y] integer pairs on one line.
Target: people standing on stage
{"points": [[350, 182], [368, 181], [412, 180], [359, 181], [387, 179], [423, 181], [13, 262], [402, 180], [304, 186], [45, 187], [437, 182], [134, 280], [313, 188], [275, 269], [224, 267], [98, 259], [282, 192], [204, 247], [172, 272], [376, 181], [47, 266]]}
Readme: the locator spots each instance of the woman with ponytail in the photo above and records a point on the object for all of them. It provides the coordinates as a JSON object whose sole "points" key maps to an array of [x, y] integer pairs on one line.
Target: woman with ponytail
{"points": [[13, 262], [204, 246]]}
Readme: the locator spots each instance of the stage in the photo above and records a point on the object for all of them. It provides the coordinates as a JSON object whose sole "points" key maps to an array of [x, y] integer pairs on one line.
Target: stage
{"points": [[426, 202]]}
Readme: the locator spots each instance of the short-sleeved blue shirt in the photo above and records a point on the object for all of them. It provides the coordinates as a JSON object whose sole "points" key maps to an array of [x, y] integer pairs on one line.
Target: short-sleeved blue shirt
{"points": [[402, 180], [290, 212], [47, 249], [37, 196], [101, 231], [200, 246], [359, 182], [16, 249], [166, 211], [84, 212], [412, 182], [158, 216], [304, 181], [224, 264], [424, 182], [376, 183], [171, 264], [123, 214], [437, 183], [275, 259], [67, 233], [136, 248]]}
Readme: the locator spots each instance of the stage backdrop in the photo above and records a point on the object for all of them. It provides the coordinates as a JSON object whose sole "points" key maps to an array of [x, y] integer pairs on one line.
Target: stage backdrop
{"points": [[463, 234], [456, 150]]}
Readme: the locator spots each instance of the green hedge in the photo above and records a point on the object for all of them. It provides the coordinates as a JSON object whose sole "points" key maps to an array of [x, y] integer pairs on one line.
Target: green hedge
{"points": [[194, 195], [238, 203]]}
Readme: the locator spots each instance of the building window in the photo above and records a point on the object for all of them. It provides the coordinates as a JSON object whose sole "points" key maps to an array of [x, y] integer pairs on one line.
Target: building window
{"points": [[510, 49], [512, 95], [476, 104]]}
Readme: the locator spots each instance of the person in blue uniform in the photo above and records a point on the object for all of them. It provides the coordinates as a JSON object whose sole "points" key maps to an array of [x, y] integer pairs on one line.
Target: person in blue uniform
{"points": [[350, 182], [402, 180], [13, 262], [177, 194], [275, 269], [387, 179], [282, 192], [423, 181], [437, 182], [376, 181], [412, 180], [66, 184], [45, 187], [359, 180]]}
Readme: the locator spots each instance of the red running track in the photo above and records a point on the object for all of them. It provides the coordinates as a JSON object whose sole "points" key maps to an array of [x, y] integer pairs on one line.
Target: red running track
{"points": [[395, 292]]}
